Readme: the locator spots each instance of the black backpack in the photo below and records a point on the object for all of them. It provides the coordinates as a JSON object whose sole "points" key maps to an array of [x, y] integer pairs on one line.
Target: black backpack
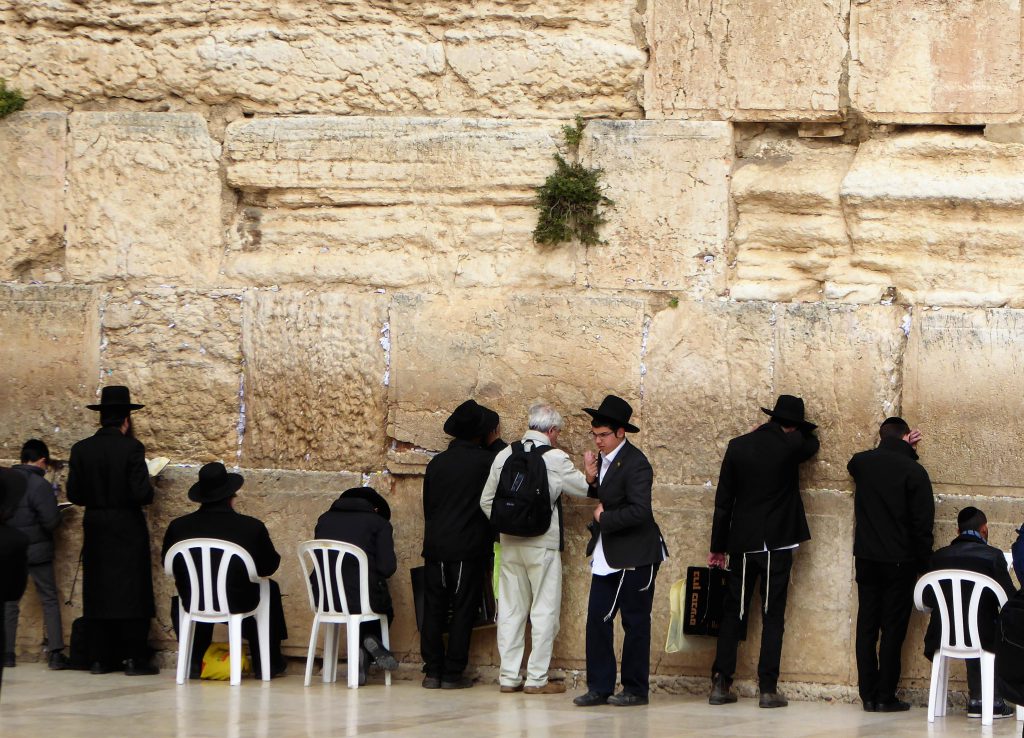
{"points": [[522, 502]]}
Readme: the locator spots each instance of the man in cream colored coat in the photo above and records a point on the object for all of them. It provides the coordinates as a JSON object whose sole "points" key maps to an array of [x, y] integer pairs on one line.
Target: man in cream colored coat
{"points": [[530, 583]]}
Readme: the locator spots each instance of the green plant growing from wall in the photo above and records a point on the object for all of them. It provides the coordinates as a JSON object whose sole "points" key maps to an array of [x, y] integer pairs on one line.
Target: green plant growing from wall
{"points": [[11, 101], [570, 201]]}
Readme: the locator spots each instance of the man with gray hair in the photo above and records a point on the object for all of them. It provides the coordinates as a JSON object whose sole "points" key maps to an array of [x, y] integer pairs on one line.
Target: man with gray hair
{"points": [[530, 579]]}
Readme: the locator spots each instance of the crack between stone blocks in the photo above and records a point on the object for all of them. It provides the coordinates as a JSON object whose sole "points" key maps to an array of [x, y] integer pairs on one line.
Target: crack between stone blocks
{"points": [[241, 426], [898, 376], [645, 334]]}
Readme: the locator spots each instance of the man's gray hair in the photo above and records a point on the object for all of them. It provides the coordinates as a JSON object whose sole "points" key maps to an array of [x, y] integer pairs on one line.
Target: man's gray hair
{"points": [[543, 417]]}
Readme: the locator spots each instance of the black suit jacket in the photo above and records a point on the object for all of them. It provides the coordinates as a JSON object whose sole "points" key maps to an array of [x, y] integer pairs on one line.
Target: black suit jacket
{"points": [[757, 502], [629, 534], [219, 520]]}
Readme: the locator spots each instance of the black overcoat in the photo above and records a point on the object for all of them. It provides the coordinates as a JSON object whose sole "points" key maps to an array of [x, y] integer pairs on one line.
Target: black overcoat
{"points": [[107, 475], [454, 526], [757, 502], [629, 534]]}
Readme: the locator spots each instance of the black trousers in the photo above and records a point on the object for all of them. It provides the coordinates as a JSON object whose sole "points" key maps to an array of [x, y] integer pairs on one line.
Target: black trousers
{"points": [[454, 587], [630, 593], [203, 636], [773, 584], [111, 641], [974, 682], [885, 599]]}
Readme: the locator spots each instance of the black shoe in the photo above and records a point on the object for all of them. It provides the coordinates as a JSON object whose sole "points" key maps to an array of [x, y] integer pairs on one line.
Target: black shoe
{"points": [[772, 699], [384, 658], [98, 667], [590, 699], [58, 661], [721, 692], [870, 706], [1000, 709], [140, 668], [430, 682], [893, 705], [460, 683], [626, 699], [9, 662]]}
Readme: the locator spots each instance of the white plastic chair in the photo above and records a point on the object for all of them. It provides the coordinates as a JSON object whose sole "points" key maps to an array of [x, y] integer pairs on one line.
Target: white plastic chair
{"points": [[212, 586], [315, 558], [952, 644]]}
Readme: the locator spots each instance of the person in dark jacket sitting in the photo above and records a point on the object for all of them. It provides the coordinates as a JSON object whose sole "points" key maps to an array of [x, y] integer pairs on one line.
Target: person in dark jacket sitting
{"points": [[970, 551], [216, 518], [37, 516], [360, 516], [13, 544]]}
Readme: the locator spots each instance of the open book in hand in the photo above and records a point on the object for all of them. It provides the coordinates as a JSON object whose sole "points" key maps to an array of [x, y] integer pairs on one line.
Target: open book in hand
{"points": [[156, 465]]}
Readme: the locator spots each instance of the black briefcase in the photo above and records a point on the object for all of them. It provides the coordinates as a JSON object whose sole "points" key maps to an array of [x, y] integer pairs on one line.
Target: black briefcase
{"points": [[705, 600]]}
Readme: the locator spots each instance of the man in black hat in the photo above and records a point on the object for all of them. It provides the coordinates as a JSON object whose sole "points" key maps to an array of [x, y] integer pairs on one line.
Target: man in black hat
{"points": [[13, 544], [107, 475], [362, 517], [216, 518], [759, 521], [627, 550], [894, 512], [457, 546]]}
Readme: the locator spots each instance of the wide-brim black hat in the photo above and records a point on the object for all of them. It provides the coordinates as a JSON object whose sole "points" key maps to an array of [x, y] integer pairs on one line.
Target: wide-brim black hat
{"points": [[789, 410], [116, 397], [215, 483], [466, 422], [12, 488], [616, 410], [373, 497]]}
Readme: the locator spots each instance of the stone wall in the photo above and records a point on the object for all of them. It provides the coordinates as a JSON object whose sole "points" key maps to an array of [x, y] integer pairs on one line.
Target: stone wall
{"points": [[301, 232]]}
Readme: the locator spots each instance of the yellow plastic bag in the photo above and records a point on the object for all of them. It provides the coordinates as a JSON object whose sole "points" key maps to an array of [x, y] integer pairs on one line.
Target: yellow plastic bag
{"points": [[217, 663], [676, 641]]}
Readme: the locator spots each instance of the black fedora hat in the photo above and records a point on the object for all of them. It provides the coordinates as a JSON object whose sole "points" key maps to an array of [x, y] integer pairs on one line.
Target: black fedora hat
{"points": [[215, 483], [373, 497], [790, 411], [616, 410], [116, 397], [466, 422]]}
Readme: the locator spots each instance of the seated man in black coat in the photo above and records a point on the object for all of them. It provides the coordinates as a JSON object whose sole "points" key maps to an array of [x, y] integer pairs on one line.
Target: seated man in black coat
{"points": [[13, 544], [216, 518], [362, 517], [970, 551]]}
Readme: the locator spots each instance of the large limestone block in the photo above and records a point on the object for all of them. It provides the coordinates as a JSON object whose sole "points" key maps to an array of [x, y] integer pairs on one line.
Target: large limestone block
{"points": [[392, 202], [507, 353], [764, 60], [49, 341], [918, 61], [181, 354], [846, 363], [33, 149], [709, 367], [315, 374], [144, 198], [527, 59], [669, 226], [790, 235], [937, 215], [961, 374]]}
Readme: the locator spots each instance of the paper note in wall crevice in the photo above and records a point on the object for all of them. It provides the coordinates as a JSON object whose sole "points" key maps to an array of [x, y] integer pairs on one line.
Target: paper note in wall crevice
{"points": [[156, 465]]}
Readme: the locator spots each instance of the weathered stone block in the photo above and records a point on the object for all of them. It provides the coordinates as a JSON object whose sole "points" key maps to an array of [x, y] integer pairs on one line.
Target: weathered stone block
{"points": [[960, 365], [181, 354], [144, 198], [709, 367], [846, 363], [670, 223], [937, 215], [925, 62], [507, 353], [32, 147], [49, 339], [315, 375], [765, 60]]}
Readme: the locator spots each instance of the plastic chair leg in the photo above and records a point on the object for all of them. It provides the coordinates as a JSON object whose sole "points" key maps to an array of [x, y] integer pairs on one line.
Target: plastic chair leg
{"points": [[235, 649], [933, 688], [186, 629], [330, 652], [386, 641], [1020, 712], [311, 656], [988, 686], [353, 654], [263, 631]]}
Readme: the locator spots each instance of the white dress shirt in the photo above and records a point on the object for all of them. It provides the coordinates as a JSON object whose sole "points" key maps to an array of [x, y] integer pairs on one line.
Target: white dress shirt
{"points": [[599, 564]]}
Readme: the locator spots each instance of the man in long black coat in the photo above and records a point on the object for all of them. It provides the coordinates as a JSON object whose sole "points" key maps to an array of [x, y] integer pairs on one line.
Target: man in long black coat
{"points": [[107, 475], [13, 544], [216, 518], [894, 511], [759, 520], [457, 546]]}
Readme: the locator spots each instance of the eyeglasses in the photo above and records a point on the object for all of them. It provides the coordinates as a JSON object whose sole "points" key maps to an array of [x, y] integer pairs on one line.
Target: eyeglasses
{"points": [[604, 434]]}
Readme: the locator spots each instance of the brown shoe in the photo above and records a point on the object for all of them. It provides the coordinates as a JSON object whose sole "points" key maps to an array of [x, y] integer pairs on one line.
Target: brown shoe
{"points": [[549, 688], [504, 688]]}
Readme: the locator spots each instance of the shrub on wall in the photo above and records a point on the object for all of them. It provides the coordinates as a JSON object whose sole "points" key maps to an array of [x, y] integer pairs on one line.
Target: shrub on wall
{"points": [[11, 101]]}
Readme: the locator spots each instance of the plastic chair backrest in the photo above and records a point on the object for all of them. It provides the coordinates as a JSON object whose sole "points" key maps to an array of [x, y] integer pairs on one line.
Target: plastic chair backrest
{"points": [[202, 588], [318, 554], [952, 641]]}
